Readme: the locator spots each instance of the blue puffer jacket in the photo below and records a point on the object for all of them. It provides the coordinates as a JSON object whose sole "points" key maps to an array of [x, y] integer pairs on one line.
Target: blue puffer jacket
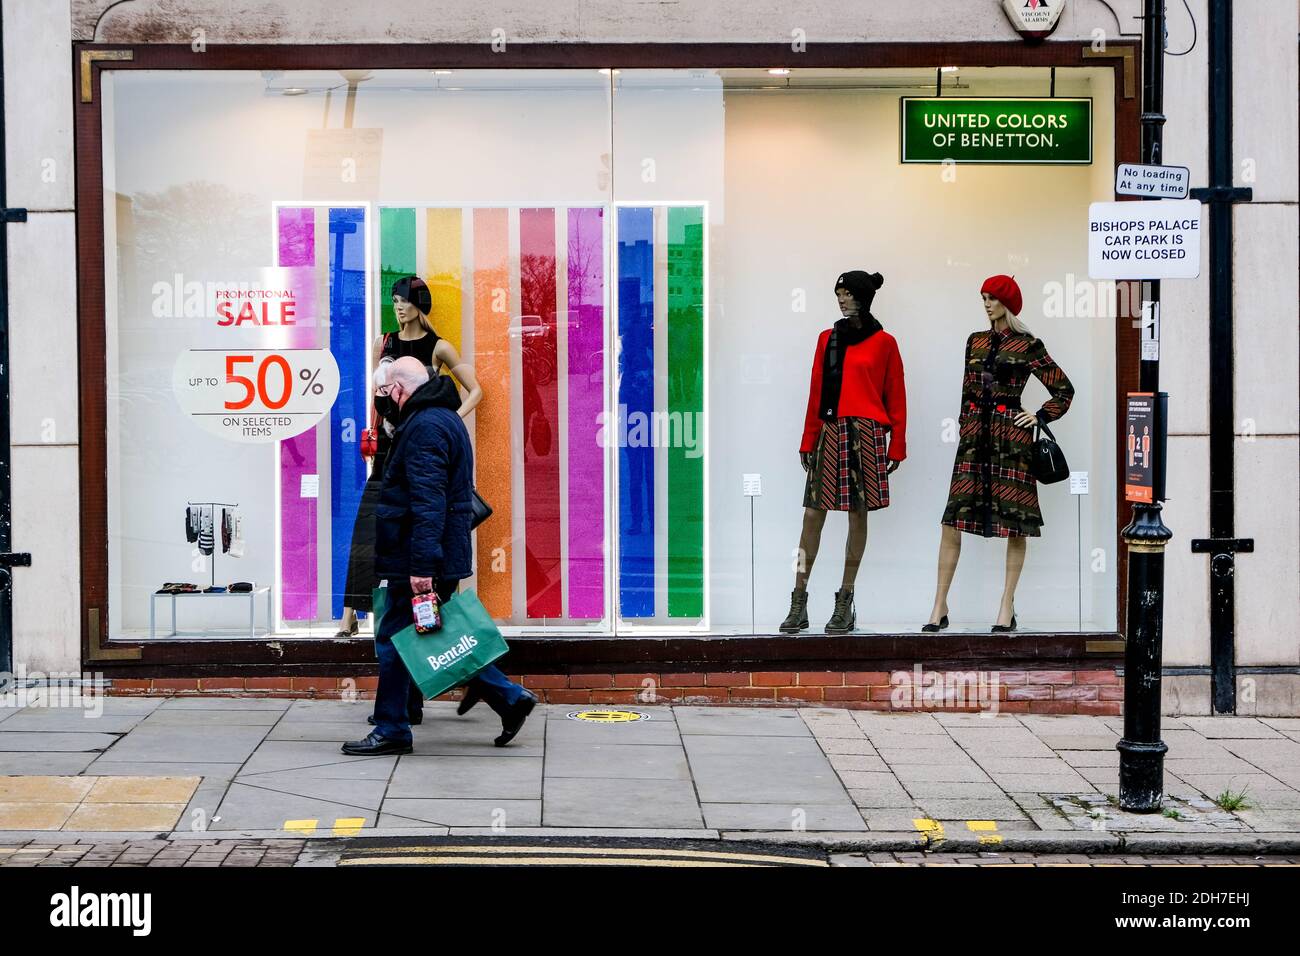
{"points": [[424, 511]]}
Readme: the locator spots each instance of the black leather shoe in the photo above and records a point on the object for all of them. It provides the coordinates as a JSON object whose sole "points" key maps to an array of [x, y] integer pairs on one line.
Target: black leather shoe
{"points": [[375, 746], [413, 719], [936, 628], [469, 700], [1005, 628], [513, 721]]}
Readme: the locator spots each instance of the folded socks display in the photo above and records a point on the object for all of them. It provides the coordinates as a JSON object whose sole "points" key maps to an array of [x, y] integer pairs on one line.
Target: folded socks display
{"points": [[181, 587]]}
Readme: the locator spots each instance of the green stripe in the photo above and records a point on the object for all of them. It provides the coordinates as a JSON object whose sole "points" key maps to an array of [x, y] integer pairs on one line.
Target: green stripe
{"points": [[396, 258], [686, 411]]}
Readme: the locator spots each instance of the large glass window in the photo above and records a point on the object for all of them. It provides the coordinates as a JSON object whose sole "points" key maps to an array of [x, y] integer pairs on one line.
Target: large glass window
{"points": [[637, 264]]}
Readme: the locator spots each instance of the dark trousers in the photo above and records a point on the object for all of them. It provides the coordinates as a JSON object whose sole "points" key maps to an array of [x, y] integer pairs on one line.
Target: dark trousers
{"points": [[398, 697]]}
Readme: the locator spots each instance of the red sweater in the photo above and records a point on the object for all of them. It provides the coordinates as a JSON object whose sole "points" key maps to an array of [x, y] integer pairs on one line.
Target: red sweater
{"points": [[872, 388]]}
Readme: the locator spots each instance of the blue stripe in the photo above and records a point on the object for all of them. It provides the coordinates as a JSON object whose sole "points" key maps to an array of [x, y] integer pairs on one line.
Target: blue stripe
{"points": [[347, 264], [636, 478]]}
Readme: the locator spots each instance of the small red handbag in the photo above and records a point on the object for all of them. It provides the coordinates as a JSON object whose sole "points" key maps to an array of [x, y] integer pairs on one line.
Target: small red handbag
{"points": [[369, 443]]}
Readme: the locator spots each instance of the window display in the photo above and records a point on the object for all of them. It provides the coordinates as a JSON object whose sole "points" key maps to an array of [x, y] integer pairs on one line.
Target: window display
{"points": [[622, 276]]}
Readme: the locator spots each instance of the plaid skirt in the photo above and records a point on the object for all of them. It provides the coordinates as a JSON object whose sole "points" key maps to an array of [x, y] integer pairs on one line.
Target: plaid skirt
{"points": [[849, 469]]}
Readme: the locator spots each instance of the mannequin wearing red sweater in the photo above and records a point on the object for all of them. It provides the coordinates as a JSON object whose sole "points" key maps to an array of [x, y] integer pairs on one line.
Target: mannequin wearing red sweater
{"points": [[854, 437]]}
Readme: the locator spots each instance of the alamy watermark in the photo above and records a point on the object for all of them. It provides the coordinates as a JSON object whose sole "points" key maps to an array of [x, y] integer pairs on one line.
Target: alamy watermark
{"points": [[20, 688], [958, 690]]}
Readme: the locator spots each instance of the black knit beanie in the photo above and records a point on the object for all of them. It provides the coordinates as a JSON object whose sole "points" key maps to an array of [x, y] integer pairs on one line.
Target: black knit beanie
{"points": [[861, 285], [414, 291]]}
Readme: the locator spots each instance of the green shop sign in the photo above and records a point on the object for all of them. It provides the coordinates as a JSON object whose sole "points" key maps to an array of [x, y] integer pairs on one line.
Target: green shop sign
{"points": [[997, 130]]}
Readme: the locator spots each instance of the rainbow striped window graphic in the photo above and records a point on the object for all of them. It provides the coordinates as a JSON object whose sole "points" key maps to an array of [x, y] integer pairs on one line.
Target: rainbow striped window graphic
{"points": [[314, 543], [591, 456]]}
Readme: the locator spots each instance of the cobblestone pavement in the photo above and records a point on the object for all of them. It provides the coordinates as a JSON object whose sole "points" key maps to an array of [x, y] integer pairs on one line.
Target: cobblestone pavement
{"points": [[287, 853]]}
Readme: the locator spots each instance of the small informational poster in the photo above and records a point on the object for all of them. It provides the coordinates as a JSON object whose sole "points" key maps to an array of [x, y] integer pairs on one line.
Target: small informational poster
{"points": [[310, 487], [1160, 239], [1139, 447], [753, 485], [1078, 482]]}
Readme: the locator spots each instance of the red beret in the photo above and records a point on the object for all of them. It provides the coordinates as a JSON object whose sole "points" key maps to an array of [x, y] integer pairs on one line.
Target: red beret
{"points": [[1005, 290]]}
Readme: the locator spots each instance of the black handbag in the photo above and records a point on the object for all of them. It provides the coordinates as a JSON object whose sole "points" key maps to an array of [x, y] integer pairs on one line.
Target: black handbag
{"points": [[481, 510], [1047, 461]]}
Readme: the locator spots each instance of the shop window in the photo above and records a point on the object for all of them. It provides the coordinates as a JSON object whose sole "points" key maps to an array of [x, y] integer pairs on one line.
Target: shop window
{"points": [[637, 266]]}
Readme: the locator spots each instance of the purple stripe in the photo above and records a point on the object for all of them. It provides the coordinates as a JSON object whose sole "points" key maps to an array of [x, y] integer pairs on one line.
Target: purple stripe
{"points": [[586, 387], [298, 585]]}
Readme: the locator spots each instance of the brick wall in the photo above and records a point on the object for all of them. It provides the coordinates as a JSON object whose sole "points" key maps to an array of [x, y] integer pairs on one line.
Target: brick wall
{"points": [[1016, 691]]}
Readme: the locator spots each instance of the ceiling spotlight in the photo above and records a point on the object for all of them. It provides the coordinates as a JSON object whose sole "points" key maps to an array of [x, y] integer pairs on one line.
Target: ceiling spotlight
{"points": [[778, 71], [440, 72], [293, 91], [948, 69]]}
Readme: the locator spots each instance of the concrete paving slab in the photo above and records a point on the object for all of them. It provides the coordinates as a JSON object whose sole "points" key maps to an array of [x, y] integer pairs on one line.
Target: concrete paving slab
{"points": [[767, 816], [68, 720], [127, 768], [125, 816], [227, 703], [740, 721], [1227, 728], [872, 722], [337, 731], [35, 816], [1071, 725], [161, 789], [591, 802], [1185, 766], [879, 791], [916, 756], [171, 744], [703, 745], [746, 778], [303, 783], [847, 745], [44, 789], [53, 764], [949, 790], [54, 741], [1043, 782], [929, 742], [982, 721], [954, 773], [622, 761], [215, 719], [323, 758], [331, 711], [898, 820], [1090, 758], [653, 731], [485, 778], [507, 815], [1017, 764], [252, 808], [860, 763], [1079, 742]]}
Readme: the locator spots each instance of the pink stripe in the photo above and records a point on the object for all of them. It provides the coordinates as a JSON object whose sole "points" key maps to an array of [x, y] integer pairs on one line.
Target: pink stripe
{"points": [[586, 387], [298, 584]]}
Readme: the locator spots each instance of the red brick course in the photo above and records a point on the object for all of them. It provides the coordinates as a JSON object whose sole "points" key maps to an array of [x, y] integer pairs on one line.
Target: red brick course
{"points": [[1018, 691]]}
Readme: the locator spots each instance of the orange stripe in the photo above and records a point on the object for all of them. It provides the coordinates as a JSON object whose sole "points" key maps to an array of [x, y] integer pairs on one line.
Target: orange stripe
{"points": [[492, 417]]}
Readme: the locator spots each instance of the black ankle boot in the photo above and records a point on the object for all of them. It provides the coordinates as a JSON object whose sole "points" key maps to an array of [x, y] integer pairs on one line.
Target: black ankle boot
{"points": [[845, 617], [797, 619]]}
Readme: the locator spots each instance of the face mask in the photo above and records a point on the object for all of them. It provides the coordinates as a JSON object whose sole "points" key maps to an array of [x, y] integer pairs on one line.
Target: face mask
{"points": [[386, 407]]}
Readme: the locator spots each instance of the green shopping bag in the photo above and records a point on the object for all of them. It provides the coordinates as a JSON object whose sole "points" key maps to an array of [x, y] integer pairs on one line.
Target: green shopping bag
{"points": [[467, 643]]}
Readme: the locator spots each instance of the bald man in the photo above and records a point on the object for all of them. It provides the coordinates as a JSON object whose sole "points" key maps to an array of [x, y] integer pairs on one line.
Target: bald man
{"points": [[422, 544]]}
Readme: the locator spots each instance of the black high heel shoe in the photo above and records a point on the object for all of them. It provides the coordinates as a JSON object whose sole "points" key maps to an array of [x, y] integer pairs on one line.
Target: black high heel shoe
{"points": [[1005, 628], [936, 628]]}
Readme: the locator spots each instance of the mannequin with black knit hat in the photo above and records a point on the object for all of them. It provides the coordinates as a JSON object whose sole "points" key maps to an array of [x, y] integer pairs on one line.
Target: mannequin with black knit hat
{"points": [[854, 437], [415, 336], [993, 491]]}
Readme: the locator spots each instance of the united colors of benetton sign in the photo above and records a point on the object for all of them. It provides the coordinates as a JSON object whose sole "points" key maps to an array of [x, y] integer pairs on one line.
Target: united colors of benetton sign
{"points": [[997, 130]]}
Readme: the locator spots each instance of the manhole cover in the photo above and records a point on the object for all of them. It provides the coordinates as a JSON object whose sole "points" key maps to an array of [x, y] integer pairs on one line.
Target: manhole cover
{"points": [[607, 716]]}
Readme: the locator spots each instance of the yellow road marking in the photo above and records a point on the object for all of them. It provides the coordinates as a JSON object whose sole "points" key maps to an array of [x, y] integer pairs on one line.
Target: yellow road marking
{"points": [[931, 829], [603, 851], [348, 826], [988, 827], [540, 861], [301, 826]]}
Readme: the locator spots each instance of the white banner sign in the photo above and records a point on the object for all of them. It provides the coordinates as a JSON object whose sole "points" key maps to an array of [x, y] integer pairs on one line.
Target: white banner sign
{"points": [[1144, 240], [256, 395]]}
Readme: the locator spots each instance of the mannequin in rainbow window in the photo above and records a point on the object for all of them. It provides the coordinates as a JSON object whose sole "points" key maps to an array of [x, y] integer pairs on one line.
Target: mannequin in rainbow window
{"points": [[854, 437], [993, 493], [415, 336]]}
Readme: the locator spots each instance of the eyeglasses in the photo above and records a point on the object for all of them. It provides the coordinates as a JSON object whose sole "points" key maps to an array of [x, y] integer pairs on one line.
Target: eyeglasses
{"points": [[385, 390]]}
